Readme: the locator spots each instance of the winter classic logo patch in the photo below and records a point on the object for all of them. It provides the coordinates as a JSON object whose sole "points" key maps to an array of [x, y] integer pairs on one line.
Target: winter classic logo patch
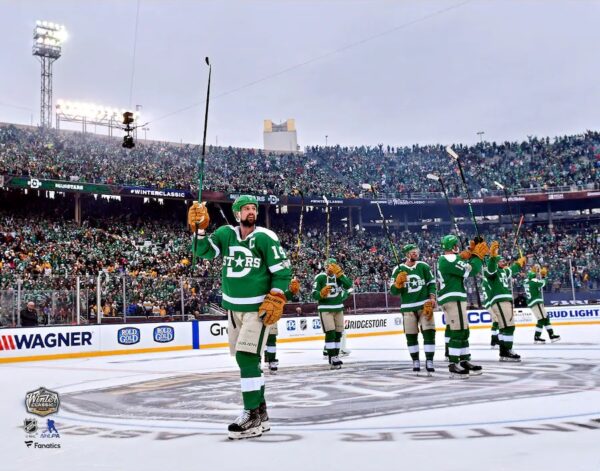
{"points": [[42, 402]]}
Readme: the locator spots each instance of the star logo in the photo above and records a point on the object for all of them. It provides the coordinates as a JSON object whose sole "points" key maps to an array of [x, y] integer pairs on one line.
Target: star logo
{"points": [[239, 262]]}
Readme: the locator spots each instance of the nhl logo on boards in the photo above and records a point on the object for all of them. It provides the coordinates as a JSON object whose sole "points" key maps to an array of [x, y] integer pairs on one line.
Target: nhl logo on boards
{"points": [[303, 324], [42, 402]]}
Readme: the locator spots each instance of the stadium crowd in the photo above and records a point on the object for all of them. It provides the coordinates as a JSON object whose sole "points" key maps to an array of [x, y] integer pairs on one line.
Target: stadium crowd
{"points": [[569, 161], [150, 262]]}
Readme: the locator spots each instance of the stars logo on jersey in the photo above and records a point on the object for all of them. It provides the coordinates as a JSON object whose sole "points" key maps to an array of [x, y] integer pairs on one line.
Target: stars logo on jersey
{"points": [[414, 283], [240, 262]]}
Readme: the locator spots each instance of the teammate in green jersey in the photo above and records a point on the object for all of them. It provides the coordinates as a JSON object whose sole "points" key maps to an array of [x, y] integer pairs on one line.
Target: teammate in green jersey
{"points": [[330, 289], [453, 269], [535, 300], [271, 348], [415, 284], [499, 277], [255, 274]]}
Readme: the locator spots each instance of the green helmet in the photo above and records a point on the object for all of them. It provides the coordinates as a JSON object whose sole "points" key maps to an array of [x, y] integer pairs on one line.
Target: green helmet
{"points": [[531, 275], [449, 241], [408, 247], [330, 260], [243, 200]]}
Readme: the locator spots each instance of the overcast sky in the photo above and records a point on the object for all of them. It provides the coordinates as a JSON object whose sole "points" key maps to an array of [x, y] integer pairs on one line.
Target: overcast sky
{"points": [[361, 72]]}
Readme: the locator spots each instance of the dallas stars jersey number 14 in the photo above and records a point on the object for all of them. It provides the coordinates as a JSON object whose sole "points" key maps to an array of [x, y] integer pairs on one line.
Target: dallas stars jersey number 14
{"points": [[251, 267]]}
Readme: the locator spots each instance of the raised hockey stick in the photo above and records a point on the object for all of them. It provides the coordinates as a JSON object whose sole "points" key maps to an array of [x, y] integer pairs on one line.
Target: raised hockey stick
{"points": [[455, 156], [201, 168], [371, 188], [512, 219], [328, 227], [299, 239]]}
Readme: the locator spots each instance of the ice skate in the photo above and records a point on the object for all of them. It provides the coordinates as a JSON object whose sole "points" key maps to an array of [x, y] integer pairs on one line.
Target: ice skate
{"points": [[457, 371], [510, 356], [247, 425], [336, 363], [264, 417], [539, 340], [474, 370], [429, 367]]}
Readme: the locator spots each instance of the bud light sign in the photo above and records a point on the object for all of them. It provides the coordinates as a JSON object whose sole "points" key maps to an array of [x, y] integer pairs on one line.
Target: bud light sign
{"points": [[128, 335], [164, 334]]}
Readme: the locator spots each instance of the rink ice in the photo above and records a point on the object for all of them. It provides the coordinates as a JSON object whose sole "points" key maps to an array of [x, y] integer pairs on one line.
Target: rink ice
{"points": [[374, 414]]}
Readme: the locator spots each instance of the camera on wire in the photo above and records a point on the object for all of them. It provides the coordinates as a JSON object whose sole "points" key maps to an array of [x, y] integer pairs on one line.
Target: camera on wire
{"points": [[128, 120]]}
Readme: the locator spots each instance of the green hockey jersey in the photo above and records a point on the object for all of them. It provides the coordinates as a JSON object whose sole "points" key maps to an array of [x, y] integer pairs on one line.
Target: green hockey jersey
{"points": [[533, 291], [486, 295], [420, 284], [251, 267], [452, 272], [500, 280], [340, 287]]}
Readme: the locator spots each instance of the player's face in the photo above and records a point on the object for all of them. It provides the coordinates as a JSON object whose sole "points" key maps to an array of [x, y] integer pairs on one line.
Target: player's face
{"points": [[248, 215], [413, 255], [502, 263]]}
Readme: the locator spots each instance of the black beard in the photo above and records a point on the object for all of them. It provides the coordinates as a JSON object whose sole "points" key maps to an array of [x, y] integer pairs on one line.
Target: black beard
{"points": [[246, 223]]}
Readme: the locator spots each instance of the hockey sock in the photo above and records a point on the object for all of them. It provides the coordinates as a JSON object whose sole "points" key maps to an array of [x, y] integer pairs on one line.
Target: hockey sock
{"points": [[447, 339], [251, 379], [465, 353], [539, 327], [338, 342], [330, 342], [271, 350], [507, 337], [429, 343], [548, 327], [412, 342], [455, 345], [495, 331]]}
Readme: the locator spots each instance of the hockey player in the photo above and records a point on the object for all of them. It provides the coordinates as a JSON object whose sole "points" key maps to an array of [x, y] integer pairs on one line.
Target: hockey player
{"points": [[533, 292], [271, 348], [330, 289], [499, 276], [415, 284], [255, 274], [453, 269]]}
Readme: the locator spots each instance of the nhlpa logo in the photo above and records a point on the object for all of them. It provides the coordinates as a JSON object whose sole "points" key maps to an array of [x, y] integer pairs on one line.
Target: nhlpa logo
{"points": [[164, 334], [397, 320], [128, 335], [303, 324], [316, 324], [291, 325]]}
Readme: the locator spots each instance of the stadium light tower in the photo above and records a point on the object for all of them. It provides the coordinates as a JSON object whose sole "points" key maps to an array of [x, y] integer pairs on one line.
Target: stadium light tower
{"points": [[47, 41]]}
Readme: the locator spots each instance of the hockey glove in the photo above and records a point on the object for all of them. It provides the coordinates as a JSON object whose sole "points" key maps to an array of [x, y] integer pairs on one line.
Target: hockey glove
{"points": [[481, 250], [543, 272], [428, 310], [465, 254], [335, 270], [198, 217], [271, 309], [522, 261], [294, 286], [494, 246], [325, 291], [400, 280]]}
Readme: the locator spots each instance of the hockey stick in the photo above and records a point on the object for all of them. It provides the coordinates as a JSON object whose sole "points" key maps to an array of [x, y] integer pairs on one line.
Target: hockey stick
{"points": [[438, 178], [328, 227], [517, 235], [512, 219], [299, 240], [455, 156], [371, 188], [201, 169]]}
